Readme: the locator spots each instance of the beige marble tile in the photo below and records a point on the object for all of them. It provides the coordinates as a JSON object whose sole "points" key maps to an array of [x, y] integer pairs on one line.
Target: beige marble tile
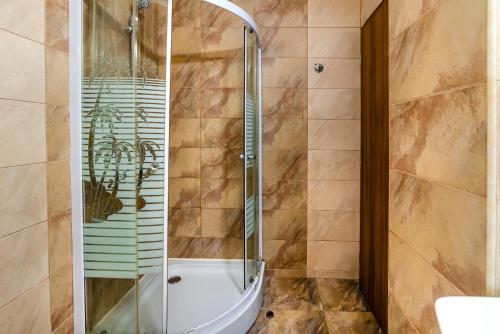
{"points": [[404, 13], [185, 102], [351, 323], [333, 255], [281, 13], [221, 133], [57, 133], [28, 314], [25, 18], [60, 249], [21, 147], [222, 193], [334, 42], [341, 295], [290, 321], [333, 195], [284, 225], [285, 164], [337, 73], [334, 134], [334, 104], [61, 296], [223, 41], [222, 223], [285, 254], [285, 73], [187, 13], [228, 248], [58, 188], [185, 132], [445, 226], [57, 24], [222, 72], [22, 68], [57, 77], [337, 274], [333, 225], [442, 136], [284, 195], [23, 199], [23, 261], [284, 133], [222, 103], [186, 72], [186, 41], [285, 102], [184, 222], [416, 285], [221, 163], [334, 13], [66, 327], [329, 165], [184, 162], [184, 193], [397, 321], [284, 42], [368, 7], [180, 247], [289, 273], [282, 293], [458, 56]]}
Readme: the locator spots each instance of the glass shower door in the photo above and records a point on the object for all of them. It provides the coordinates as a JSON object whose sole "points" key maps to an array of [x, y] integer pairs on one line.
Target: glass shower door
{"points": [[251, 157]]}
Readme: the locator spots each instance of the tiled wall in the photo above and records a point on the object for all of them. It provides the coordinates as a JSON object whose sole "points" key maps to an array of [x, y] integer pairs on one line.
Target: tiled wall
{"points": [[438, 127], [35, 223]]}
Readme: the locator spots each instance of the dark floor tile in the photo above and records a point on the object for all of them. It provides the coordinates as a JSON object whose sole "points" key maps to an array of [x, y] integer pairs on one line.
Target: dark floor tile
{"points": [[291, 322], [351, 323], [291, 294], [341, 295]]}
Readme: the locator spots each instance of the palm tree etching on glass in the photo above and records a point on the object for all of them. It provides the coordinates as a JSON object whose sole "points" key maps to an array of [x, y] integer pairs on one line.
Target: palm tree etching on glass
{"points": [[106, 149]]}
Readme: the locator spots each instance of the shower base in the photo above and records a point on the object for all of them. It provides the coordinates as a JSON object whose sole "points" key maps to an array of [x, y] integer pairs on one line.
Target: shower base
{"points": [[209, 298]]}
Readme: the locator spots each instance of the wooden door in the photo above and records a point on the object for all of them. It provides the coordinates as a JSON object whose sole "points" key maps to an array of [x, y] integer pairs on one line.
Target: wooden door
{"points": [[375, 163]]}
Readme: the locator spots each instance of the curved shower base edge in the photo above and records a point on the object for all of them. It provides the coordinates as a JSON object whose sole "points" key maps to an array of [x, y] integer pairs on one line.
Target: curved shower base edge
{"points": [[240, 318]]}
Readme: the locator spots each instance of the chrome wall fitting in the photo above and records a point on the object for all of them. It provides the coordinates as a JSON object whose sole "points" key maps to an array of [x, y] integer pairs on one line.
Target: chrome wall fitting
{"points": [[318, 68]]}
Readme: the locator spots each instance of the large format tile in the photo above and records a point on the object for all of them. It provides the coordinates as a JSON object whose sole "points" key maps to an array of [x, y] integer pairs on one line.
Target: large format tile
{"points": [[341, 295], [184, 222], [23, 261], [441, 136], [185, 132], [28, 314], [334, 103], [181, 247], [285, 164], [284, 133], [458, 56], [221, 133], [221, 42], [284, 42], [281, 13], [329, 165], [285, 102], [184, 162], [284, 195], [285, 254], [333, 195], [334, 13], [352, 323], [226, 248], [22, 147], [333, 225], [334, 42], [397, 321], [445, 226], [23, 199], [25, 18], [342, 256], [337, 73], [284, 225], [404, 13], [291, 294], [334, 134], [416, 285], [222, 223], [285, 73], [184, 192], [290, 322], [221, 163], [222, 72], [22, 68], [222, 193], [222, 103]]}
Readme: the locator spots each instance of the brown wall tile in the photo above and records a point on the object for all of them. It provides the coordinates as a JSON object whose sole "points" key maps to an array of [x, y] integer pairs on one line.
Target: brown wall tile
{"points": [[284, 42], [285, 164], [334, 42], [285, 225], [338, 73], [281, 13], [284, 195], [334, 13], [334, 135], [57, 133], [285, 254], [333, 225], [184, 192], [334, 103], [333, 195], [58, 188], [329, 165], [342, 256]]}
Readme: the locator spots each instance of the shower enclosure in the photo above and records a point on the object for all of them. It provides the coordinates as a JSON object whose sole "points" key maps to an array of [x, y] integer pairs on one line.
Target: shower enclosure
{"points": [[166, 166]]}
